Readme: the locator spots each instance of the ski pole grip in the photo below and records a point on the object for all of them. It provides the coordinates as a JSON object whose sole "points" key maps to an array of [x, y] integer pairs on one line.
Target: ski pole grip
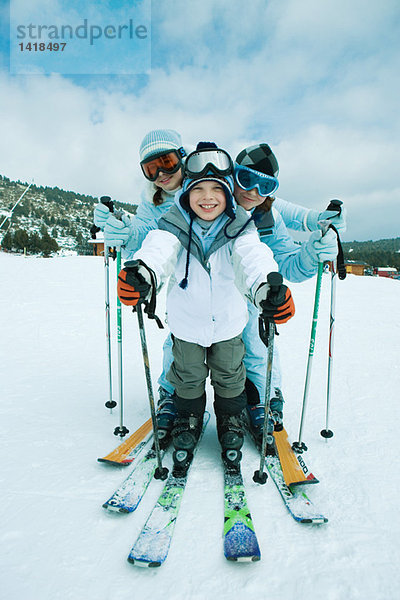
{"points": [[334, 205], [106, 200], [275, 281]]}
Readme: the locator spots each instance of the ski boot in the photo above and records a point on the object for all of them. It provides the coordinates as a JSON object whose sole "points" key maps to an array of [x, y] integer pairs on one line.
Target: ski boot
{"points": [[255, 418], [166, 413], [276, 410], [231, 436], [230, 431], [185, 435], [255, 422], [186, 431]]}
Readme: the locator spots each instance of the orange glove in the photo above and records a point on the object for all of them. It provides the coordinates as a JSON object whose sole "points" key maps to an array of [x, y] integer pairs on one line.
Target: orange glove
{"points": [[277, 306], [132, 287]]}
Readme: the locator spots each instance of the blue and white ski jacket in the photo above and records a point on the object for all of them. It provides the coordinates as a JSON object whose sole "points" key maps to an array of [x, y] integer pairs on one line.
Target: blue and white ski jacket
{"points": [[222, 274]]}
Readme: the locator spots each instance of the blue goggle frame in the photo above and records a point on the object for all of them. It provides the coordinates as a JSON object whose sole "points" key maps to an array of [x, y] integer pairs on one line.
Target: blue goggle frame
{"points": [[248, 179]]}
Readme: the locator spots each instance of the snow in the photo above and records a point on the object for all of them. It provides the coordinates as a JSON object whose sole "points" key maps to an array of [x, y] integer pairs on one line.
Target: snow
{"points": [[56, 540]]}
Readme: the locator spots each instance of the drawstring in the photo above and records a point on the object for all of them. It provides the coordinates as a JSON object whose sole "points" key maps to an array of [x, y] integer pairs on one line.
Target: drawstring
{"points": [[184, 282], [232, 237]]}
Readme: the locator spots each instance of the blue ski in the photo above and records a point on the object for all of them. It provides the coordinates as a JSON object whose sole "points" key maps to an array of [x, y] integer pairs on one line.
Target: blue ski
{"points": [[240, 540]]}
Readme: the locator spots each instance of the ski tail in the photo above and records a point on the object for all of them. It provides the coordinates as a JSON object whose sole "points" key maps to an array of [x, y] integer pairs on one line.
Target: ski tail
{"points": [[126, 452], [240, 540], [295, 470]]}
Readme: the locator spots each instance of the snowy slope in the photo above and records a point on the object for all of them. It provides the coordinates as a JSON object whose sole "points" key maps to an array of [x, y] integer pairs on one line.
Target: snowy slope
{"points": [[56, 541]]}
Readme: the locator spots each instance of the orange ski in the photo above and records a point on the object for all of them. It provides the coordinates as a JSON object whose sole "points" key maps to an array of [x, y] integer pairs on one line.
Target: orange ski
{"points": [[122, 455], [295, 471]]}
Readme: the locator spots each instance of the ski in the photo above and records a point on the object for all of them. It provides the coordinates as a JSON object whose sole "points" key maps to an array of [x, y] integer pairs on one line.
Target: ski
{"points": [[127, 497], [126, 452], [240, 540], [153, 543], [294, 469], [297, 502]]}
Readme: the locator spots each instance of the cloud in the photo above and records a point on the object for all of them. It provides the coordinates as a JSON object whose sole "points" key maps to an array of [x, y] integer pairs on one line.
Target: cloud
{"points": [[322, 163], [318, 81]]}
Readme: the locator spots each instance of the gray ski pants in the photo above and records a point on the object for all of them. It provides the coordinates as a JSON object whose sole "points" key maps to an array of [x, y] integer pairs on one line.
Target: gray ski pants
{"points": [[192, 363]]}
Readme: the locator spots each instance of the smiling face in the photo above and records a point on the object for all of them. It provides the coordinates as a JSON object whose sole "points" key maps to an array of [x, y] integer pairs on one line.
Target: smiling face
{"points": [[207, 200], [169, 181], [248, 199]]}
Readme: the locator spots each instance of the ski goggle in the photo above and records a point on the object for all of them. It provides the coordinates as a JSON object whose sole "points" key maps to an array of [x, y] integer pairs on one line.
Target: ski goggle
{"points": [[248, 179], [168, 162], [200, 162]]}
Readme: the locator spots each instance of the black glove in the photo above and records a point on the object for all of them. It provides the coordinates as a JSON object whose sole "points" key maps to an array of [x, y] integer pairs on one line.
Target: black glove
{"points": [[275, 300], [134, 283]]}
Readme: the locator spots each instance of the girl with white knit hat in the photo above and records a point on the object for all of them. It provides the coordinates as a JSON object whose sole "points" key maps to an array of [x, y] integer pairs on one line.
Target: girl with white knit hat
{"points": [[162, 156]]}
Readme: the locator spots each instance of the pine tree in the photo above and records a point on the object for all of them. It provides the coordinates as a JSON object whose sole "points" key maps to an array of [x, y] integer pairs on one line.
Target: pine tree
{"points": [[48, 244], [7, 241], [21, 239], [35, 243]]}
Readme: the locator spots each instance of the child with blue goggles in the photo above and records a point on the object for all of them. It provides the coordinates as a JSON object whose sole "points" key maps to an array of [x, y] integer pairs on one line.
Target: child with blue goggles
{"points": [[249, 179]]}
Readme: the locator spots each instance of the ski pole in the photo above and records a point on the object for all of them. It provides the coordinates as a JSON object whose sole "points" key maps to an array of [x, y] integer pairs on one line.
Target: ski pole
{"points": [[275, 281], [160, 472], [336, 268], [106, 200], [300, 446], [121, 430], [328, 433]]}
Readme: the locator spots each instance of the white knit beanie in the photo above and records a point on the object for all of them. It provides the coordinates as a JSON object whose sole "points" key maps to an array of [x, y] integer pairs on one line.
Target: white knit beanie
{"points": [[159, 140]]}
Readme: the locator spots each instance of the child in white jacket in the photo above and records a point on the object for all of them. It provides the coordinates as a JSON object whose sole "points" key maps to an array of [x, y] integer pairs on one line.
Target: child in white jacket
{"points": [[210, 251]]}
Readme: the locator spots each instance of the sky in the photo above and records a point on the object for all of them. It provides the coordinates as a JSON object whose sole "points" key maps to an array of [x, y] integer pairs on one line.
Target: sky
{"points": [[318, 80]]}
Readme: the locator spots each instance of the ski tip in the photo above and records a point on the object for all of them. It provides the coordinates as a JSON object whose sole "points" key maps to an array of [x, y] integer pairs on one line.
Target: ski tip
{"points": [[308, 480], [254, 558], [113, 463], [143, 563], [114, 509], [314, 520]]}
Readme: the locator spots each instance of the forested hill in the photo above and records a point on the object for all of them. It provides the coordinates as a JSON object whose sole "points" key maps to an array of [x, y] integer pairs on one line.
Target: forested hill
{"points": [[47, 219], [50, 219], [380, 253]]}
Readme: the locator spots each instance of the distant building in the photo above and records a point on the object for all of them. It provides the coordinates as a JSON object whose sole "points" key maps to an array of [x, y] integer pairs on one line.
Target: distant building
{"points": [[98, 244], [385, 272], [356, 267]]}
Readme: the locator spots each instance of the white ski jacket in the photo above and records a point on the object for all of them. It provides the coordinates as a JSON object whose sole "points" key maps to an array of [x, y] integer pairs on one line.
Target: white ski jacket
{"points": [[212, 307]]}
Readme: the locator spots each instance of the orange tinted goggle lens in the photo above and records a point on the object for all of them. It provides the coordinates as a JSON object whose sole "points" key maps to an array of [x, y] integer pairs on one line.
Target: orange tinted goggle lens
{"points": [[166, 162]]}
